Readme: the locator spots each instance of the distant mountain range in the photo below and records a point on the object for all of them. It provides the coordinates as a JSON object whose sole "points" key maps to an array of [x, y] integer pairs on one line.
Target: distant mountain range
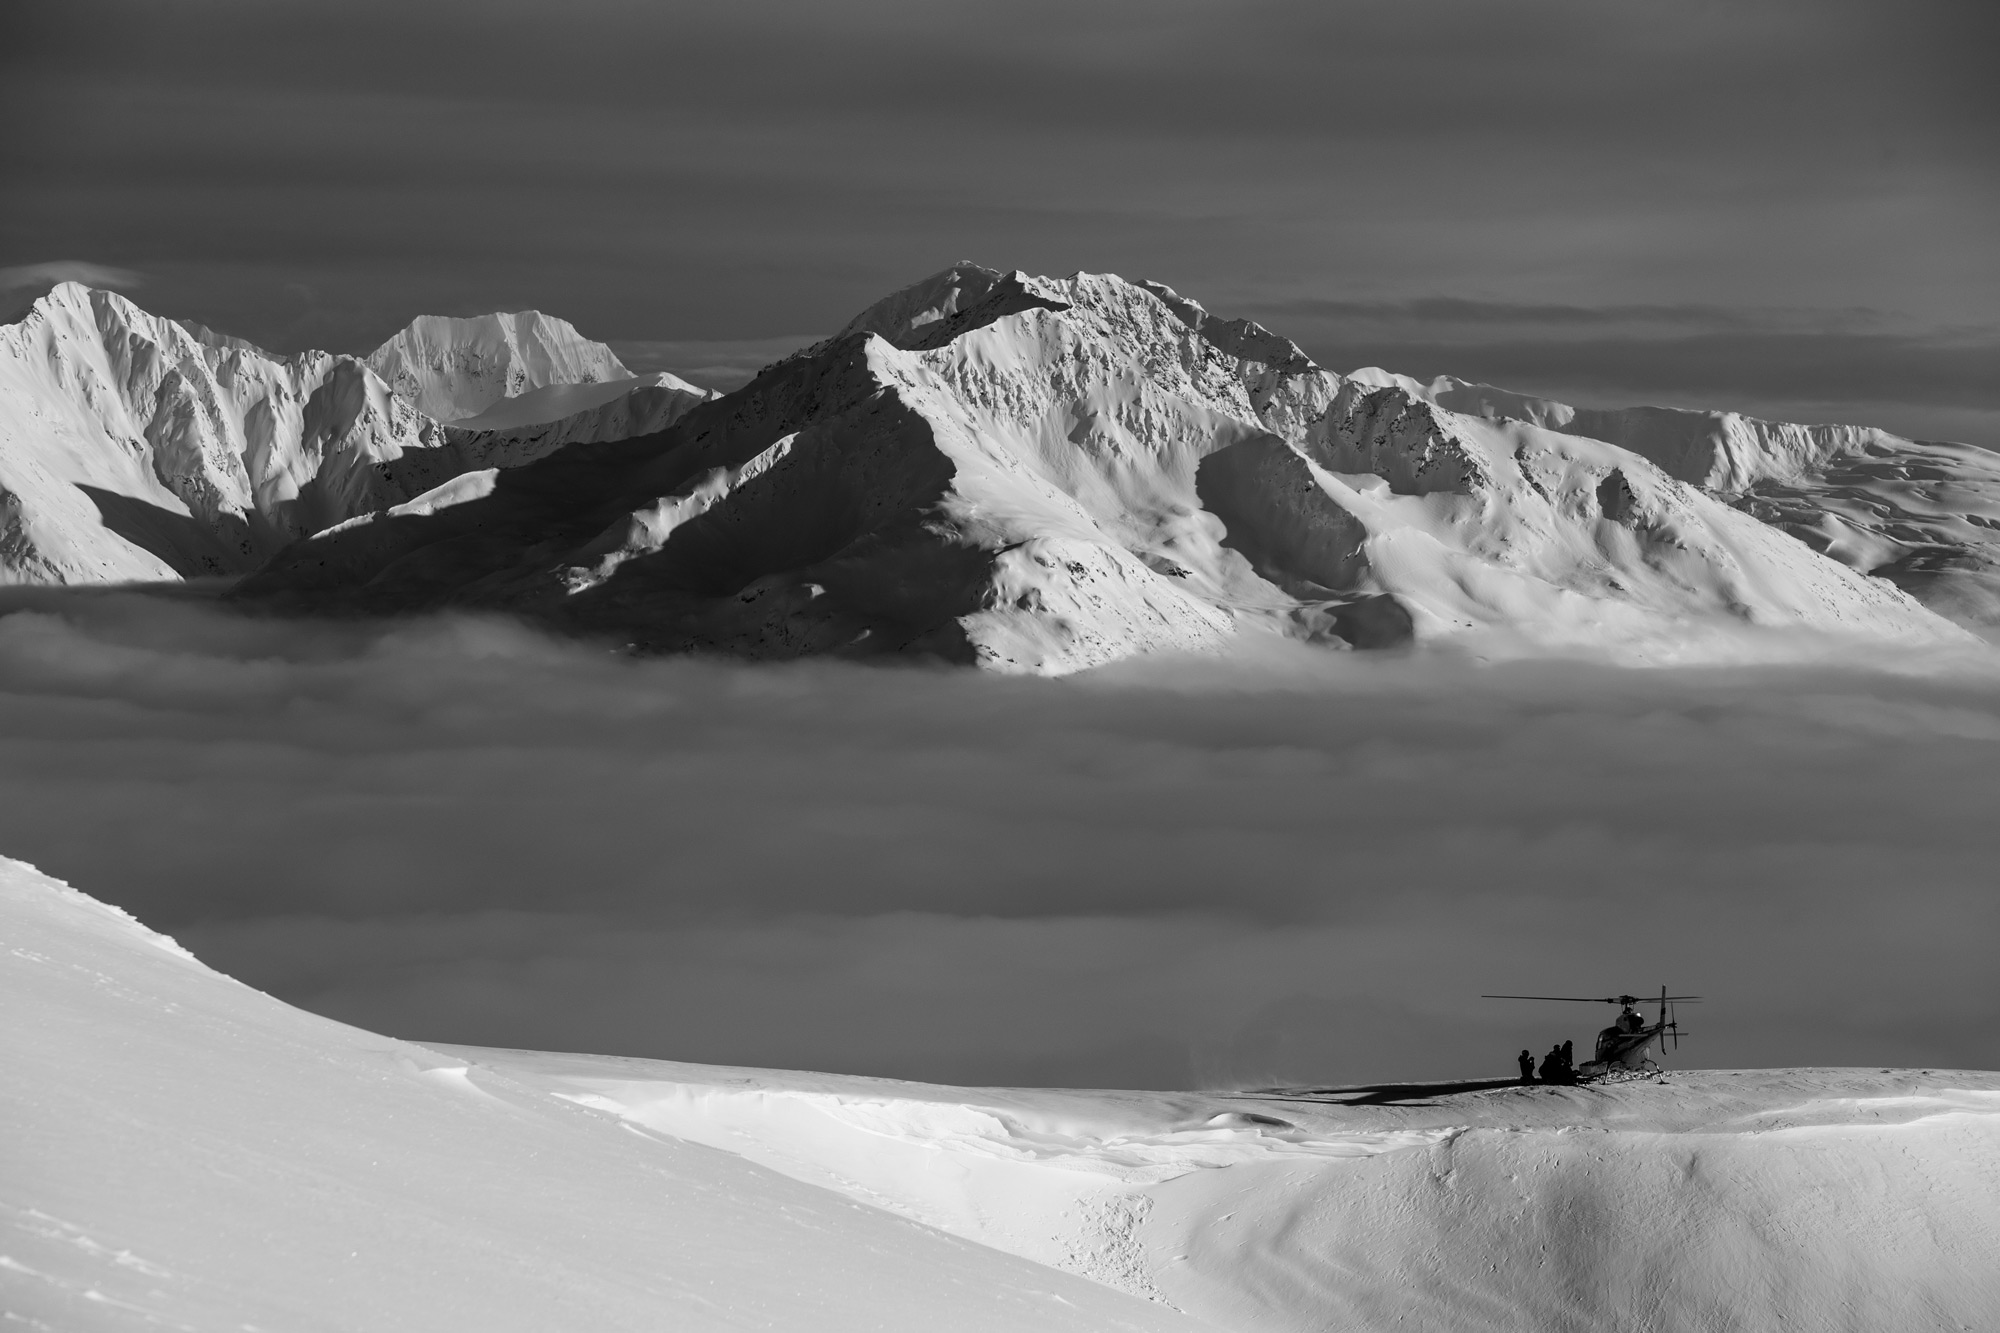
{"points": [[1031, 474], [136, 448]]}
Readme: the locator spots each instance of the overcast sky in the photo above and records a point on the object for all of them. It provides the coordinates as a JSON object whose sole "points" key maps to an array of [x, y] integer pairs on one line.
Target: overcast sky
{"points": [[1303, 869], [1786, 206]]}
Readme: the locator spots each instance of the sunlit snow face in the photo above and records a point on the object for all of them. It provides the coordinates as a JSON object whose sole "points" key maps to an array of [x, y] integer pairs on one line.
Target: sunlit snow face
{"points": [[1301, 868]]}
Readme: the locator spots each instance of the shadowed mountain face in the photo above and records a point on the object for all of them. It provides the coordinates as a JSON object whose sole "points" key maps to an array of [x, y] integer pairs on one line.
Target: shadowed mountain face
{"points": [[1044, 475], [181, 542], [837, 474]]}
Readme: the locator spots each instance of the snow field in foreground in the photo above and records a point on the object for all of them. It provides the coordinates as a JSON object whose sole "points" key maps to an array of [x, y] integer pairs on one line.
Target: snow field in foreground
{"points": [[184, 1152], [1819, 1199]]}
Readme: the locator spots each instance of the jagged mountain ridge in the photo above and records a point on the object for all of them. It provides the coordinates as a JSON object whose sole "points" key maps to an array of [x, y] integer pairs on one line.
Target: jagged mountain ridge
{"points": [[1043, 475], [138, 448]]}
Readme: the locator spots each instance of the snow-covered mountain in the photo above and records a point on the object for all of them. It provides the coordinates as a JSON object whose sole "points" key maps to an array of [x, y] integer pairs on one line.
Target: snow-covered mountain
{"points": [[137, 448], [449, 369], [348, 1180], [1029, 473], [1924, 514], [1043, 475]]}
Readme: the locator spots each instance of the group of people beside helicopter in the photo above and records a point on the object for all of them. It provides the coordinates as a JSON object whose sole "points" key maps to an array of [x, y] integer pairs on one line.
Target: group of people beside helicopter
{"points": [[1558, 1066]]}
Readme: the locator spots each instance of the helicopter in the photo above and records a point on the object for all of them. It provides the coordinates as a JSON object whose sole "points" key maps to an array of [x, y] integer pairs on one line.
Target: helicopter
{"points": [[1623, 1045]]}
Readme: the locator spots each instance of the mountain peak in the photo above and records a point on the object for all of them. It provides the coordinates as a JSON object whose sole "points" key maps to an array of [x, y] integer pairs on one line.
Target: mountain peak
{"points": [[449, 368], [926, 302], [135, 447]]}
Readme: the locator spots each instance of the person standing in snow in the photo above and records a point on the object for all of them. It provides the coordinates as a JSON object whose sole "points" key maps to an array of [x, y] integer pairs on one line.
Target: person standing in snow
{"points": [[1527, 1063]]}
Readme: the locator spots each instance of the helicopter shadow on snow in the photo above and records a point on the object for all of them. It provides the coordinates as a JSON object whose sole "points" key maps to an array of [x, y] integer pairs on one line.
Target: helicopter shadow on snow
{"points": [[1377, 1094]]}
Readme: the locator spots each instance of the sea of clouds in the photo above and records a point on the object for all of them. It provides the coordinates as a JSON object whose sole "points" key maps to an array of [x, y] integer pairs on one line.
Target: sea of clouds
{"points": [[1301, 867]]}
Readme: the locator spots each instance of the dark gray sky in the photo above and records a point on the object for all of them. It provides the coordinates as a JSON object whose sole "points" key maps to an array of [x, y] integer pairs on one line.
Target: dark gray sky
{"points": [[1786, 206], [1305, 868]]}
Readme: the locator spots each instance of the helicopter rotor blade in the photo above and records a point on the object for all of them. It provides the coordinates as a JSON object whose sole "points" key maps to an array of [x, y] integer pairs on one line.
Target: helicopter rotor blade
{"points": [[1592, 999], [1581, 999]]}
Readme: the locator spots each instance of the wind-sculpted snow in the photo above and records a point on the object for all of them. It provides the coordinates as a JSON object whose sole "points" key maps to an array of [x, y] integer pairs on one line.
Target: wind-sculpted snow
{"points": [[1043, 475]]}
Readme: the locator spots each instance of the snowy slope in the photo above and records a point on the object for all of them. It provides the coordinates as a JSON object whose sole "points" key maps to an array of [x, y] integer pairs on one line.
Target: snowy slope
{"points": [[449, 369], [1043, 475], [138, 448], [1725, 452], [600, 403], [1815, 1199], [541, 421], [1473, 523], [1923, 514], [183, 1152]]}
